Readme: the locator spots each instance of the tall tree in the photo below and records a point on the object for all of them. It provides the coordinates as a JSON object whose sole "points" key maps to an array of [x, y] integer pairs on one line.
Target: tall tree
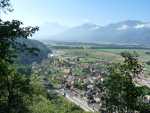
{"points": [[14, 87], [121, 93]]}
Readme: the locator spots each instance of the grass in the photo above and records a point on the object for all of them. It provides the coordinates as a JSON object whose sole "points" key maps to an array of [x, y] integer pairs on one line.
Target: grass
{"points": [[143, 57], [92, 55], [112, 55]]}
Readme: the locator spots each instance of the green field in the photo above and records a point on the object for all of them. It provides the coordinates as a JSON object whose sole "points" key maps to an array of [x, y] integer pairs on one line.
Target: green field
{"points": [[143, 57], [108, 55]]}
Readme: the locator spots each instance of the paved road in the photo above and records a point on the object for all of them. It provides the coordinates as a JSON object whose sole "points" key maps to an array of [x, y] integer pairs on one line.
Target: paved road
{"points": [[76, 100]]}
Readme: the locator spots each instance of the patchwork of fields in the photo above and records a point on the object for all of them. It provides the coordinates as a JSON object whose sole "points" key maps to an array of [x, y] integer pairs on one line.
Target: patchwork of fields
{"points": [[108, 55]]}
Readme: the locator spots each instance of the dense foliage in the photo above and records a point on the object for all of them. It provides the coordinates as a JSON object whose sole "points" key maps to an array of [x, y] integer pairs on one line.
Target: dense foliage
{"points": [[28, 55], [20, 93], [121, 92], [15, 90]]}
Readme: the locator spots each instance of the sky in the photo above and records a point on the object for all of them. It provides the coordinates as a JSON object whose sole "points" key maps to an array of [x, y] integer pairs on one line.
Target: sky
{"points": [[76, 12]]}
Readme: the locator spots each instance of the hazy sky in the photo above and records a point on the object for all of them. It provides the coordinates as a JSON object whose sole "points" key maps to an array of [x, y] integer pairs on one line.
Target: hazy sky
{"points": [[75, 12]]}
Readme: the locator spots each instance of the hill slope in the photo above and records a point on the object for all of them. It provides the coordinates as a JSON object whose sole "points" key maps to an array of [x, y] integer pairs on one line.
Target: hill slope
{"points": [[27, 57]]}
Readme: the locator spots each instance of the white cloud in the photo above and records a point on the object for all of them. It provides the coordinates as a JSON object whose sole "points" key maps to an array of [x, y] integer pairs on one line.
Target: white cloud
{"points": [[123, 27], [146, 25], [138, 26]]}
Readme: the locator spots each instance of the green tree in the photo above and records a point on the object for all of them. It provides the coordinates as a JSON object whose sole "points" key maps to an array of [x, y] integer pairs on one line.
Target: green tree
{"points": [[15, 88], [121, 93]]}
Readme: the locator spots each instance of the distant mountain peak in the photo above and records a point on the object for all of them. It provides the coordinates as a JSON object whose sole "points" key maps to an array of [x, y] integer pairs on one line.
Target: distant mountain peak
{"points": [[131, 22], [129, 31], [88, 25]]}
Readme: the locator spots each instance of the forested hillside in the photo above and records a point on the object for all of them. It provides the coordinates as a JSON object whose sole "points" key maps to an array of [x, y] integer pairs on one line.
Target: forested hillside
{"points": [[27, 56]]}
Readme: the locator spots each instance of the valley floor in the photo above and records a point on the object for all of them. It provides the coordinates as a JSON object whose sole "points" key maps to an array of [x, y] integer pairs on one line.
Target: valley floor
{"points": [[78, 68]]}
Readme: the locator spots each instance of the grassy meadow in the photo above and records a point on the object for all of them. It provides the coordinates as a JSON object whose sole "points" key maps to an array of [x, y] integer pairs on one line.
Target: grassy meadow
{"points": [[107, 55]]}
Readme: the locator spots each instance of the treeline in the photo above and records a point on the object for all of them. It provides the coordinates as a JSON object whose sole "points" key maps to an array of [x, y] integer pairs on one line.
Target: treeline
{"points": [[66, 47], [96, 47], [80, 45]]}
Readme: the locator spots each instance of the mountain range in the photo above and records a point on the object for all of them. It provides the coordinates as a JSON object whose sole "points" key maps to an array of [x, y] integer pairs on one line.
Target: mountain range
{"points": [[125, 32]]}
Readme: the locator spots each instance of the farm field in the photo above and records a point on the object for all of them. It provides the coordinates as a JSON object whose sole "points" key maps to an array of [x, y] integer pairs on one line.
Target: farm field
{"points": [[108, 55], [143, 56]]}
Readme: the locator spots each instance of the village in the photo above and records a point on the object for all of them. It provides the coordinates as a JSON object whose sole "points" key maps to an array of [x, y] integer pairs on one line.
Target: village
{"points": [[74, 77]]}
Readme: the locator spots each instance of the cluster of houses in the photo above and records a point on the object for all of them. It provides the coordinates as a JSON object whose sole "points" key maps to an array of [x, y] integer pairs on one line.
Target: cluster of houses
{"points": [[84, 86]]}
